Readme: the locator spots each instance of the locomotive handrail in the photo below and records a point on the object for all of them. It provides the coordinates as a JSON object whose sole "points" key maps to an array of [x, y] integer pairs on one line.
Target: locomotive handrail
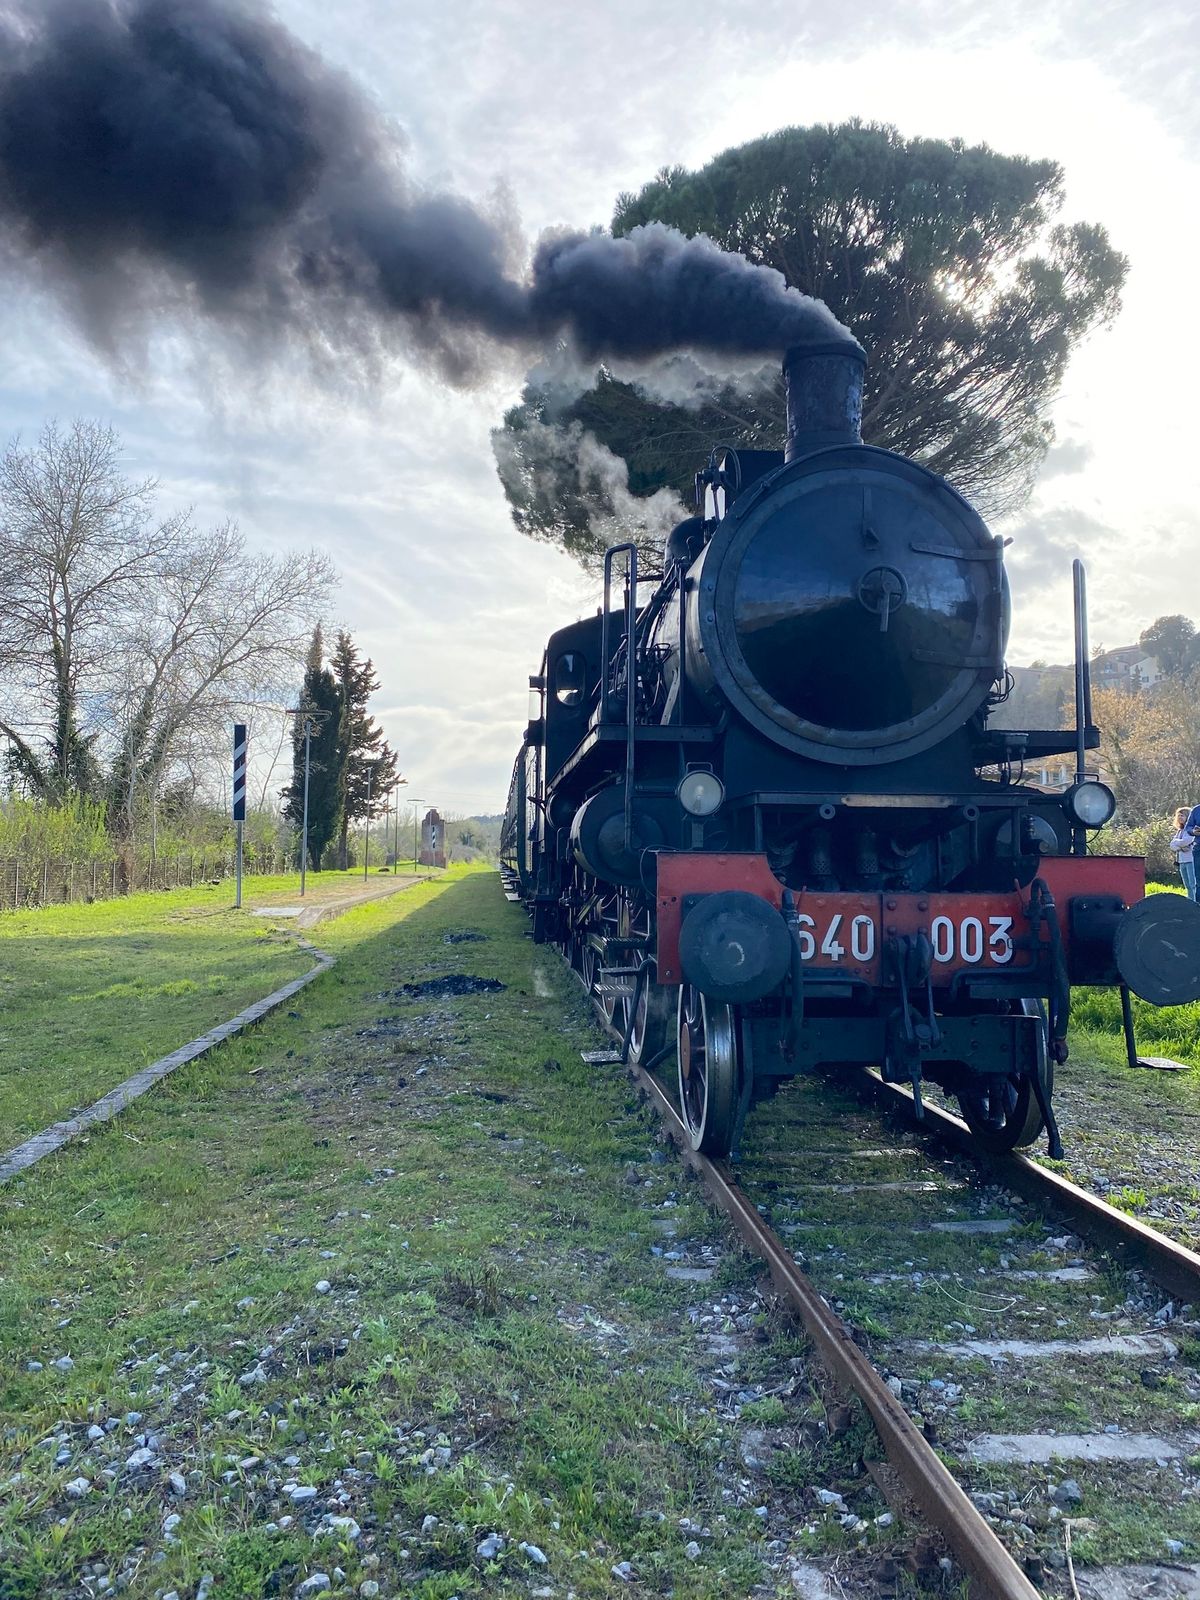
{"points": [[606, 654], [629, 550]]}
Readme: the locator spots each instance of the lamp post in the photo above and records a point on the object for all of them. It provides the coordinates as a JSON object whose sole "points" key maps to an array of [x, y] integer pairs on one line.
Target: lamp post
{"points": [[311, 717], [417, 804], [400, 783], [371, 765]]}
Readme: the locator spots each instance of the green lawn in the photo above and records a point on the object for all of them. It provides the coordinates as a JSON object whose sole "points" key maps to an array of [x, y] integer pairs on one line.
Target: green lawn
{"points": [[91, 993], [1160, 1030], [399, 1259]]}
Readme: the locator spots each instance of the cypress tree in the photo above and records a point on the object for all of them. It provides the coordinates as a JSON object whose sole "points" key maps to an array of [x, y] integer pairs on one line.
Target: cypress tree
{"points": [[361, 745], [319, 696]]}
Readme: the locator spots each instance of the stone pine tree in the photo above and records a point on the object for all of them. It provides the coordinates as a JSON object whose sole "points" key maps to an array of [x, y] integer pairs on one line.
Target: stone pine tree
{"points": [[1173, 642], [319, 696], [363, 752], [945, 260]]}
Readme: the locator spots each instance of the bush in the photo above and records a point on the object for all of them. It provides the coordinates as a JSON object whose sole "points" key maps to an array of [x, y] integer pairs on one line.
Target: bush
{"points": [[1149, 839], [74, 831]]}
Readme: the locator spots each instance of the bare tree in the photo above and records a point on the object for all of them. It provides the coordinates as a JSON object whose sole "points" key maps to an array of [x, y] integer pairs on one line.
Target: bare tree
{"points": [[220, 627], [130, 642], [77, 542]]}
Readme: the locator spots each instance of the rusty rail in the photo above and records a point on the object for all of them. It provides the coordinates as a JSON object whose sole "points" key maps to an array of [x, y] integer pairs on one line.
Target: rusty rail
{"points": [[1172, 1265], [967, 1535]]}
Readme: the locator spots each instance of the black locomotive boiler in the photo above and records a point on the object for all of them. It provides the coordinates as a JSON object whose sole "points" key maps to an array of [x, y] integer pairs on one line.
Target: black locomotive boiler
{"points": [[760, 807]]}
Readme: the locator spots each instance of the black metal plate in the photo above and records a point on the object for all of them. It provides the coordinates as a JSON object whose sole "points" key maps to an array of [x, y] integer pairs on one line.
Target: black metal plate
{"points": [[734, 947], [1157, 949]]}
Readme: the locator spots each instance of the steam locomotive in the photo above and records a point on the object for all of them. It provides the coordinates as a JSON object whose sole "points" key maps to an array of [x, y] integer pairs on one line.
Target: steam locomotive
{"points": [[760, 808]]}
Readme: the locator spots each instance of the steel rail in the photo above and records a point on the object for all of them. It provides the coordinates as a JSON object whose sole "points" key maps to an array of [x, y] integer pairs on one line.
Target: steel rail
{"points": [[967, 1535], [1172, 1265]]}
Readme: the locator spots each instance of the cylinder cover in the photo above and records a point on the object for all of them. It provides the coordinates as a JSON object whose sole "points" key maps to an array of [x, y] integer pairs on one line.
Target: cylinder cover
{"points": [[598, 837]]}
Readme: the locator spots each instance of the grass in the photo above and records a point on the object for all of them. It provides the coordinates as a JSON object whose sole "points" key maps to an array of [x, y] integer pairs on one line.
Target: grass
{"points": [[391, 1250], [496, 1344], [323, 887], [1160, 1030], [91, 993]]}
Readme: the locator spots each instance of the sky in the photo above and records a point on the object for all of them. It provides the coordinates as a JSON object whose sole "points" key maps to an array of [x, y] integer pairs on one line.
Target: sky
{"points": [[555, 110]]}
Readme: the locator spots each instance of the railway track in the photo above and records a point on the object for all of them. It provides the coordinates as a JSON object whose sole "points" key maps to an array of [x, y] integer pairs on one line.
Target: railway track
{"points": [[992, 1316]]}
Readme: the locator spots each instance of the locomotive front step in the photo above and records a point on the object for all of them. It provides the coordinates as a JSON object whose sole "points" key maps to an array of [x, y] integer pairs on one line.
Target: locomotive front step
{"points": [[617, 983]]}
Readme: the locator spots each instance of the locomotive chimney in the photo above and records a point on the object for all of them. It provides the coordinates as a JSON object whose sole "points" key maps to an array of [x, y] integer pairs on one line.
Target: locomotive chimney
{"points": [[823, 384]]}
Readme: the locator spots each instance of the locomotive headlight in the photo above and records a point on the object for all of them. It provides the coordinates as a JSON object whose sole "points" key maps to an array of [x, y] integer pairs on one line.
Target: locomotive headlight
{"points": [[1089, 803], [700, 793]]}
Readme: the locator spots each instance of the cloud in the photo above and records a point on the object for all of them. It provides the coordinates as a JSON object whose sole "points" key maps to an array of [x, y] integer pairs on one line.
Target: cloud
{"points": [[1047, 539], [1071, 456], [555, 109], [1135, 573]]}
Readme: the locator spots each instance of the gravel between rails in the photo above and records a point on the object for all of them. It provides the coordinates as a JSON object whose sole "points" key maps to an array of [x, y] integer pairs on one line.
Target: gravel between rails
{"points": [[1079, 1440], [1063, 1389]]}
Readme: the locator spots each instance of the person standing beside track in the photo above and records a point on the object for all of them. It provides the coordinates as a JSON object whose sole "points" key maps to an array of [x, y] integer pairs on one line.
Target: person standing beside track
{"points": [[1183, 846]]}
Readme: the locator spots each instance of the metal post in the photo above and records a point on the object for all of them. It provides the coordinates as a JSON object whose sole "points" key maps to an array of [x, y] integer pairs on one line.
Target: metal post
{"points": [[367, 823], [304, 841], [240, 755], [1131, 1055], [1083, 692]]}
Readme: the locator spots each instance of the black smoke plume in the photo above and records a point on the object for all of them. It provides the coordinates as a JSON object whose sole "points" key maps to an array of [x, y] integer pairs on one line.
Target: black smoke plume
{"points": [[168, 155]]}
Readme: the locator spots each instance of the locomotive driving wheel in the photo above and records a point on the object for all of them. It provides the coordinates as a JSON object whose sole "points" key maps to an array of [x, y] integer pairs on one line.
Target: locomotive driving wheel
{"points": [[1002, 1111], [649, 1012], [653, 1018], [587, 964], [708, 1071]]}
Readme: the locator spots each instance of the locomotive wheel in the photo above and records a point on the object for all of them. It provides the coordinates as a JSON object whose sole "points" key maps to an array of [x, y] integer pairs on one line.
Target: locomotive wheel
{"points": [[1003, 1113], [652, 1022], [708, 1071], [588, 962]]}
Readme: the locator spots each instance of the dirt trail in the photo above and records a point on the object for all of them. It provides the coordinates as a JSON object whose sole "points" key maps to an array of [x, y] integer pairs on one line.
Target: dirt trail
{"points": [[308, 912]]}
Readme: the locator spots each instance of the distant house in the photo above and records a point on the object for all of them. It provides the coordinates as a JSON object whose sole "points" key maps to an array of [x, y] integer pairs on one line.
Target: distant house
{"points": [[1128, 667], [1112, 669], [1054, 779]]}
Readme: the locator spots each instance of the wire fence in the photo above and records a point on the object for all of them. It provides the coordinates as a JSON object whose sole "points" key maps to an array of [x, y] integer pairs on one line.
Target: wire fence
{"points": [[27, 884]]}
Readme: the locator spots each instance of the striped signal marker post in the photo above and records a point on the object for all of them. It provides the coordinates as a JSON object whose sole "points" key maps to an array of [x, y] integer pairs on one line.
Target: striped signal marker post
{"points": [[239, 798]]}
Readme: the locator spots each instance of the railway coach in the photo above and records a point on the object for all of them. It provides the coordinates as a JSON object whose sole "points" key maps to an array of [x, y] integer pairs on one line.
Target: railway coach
{"points": [[763, 807]]}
